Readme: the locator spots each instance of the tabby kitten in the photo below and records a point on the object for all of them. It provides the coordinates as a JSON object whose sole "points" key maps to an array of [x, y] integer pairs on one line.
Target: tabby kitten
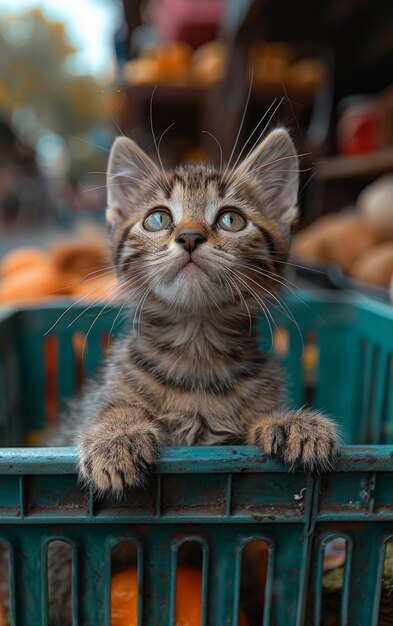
{"points": [[199, 252]]}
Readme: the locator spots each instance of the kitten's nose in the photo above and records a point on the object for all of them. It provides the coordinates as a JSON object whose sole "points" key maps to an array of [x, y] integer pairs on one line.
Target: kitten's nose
{"points": [[190, 241]]}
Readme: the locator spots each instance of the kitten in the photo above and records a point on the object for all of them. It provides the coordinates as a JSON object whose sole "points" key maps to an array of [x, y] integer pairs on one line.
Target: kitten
{"points": [[200, 253]]}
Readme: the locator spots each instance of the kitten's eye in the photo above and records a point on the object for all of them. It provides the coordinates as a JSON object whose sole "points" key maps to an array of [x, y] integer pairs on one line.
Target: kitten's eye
{"points": [[232, 221], [158, 220]]}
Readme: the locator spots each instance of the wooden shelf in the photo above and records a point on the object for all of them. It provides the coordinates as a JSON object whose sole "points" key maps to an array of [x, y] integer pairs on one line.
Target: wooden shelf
{"points": [[166, 93], [363, 165]]}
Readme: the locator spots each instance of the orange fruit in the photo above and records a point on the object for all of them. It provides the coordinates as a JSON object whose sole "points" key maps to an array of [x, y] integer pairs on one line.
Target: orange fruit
{"points": [[124, 598], [29, 285], [78, 259], [23, 259], [103, 287]]}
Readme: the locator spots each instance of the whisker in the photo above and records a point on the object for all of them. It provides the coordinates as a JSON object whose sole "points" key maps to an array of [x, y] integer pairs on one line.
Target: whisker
{"points": [[242, 300], [267, 273], [154, 137], [163, 134], [279, 302], [90, 143], [241, 124], [145, 165], [303, 267], [264, 129], [275, 277], [263, 308], [247, 173], [99, 271], [142, 301], [72, 306], [105, 186], [253, 132], [99, 299], [315, 172], [129, 175], [277, 161], [117, 126], [123, 288], [110, 289], [262, 304], [261, 134], [217, 142], [126, 174], [118, 314], [292, 111]]}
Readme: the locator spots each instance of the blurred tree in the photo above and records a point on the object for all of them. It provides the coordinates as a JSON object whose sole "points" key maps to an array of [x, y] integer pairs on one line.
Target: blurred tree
{"points": [[35, 77]]}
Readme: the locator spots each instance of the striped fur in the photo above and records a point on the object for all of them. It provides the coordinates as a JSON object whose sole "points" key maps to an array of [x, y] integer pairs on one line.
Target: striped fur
{"points": [[192, 372]]}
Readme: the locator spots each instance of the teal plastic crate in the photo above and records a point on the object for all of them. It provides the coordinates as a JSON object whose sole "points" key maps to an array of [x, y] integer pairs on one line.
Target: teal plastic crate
{"points": [[221, 497]]}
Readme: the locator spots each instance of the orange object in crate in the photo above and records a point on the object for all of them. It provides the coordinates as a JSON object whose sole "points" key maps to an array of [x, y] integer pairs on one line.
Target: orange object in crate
{"points": [[23, 259], [124, 598]]}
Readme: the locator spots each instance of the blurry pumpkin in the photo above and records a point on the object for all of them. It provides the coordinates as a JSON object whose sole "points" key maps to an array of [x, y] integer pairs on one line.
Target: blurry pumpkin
{"points": [[23, 259], [124, 598], [30, 285], [75, 260], [72, 267], [102, 287]]}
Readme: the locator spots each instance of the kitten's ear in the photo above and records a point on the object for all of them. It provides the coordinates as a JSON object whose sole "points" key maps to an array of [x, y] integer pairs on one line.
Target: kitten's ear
{"points": [[274, 166], [129, 170]]}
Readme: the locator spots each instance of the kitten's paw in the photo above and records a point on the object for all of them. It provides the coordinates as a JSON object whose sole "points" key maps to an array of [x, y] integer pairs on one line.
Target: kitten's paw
{"points": [[303, 439], [112, 461]]}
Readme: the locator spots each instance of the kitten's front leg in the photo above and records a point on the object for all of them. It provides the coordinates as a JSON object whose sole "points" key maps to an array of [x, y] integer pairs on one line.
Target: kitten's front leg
{"points": [[301, 439], [118, 448]]}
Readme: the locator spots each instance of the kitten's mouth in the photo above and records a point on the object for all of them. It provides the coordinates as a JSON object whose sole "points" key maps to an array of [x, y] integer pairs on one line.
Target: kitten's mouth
{"points": [[189, 263], [189, 267]]}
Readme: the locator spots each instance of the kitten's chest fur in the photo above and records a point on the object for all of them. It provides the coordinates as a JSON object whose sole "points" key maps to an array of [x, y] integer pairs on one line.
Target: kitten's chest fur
{"points": [[201, 379]]}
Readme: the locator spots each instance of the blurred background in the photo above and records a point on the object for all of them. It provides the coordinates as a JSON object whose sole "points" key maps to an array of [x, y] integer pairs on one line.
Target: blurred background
{"points": [[212, 73], [206, 76]]}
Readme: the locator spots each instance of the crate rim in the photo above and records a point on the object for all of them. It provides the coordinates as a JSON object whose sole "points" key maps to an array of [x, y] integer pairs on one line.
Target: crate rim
{"points": [[195, 460]]}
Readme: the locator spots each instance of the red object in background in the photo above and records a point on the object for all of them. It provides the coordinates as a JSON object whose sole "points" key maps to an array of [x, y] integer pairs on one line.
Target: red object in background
{"points": [[360, 128], [192, 21]]}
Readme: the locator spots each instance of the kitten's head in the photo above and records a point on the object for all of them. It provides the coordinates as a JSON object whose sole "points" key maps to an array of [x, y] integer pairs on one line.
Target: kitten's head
{"points": [[197, 238]]}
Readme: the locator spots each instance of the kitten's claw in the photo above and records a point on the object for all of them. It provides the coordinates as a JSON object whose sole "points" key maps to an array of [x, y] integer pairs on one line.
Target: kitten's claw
{"points": [[111, 462], [304, 439]]}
